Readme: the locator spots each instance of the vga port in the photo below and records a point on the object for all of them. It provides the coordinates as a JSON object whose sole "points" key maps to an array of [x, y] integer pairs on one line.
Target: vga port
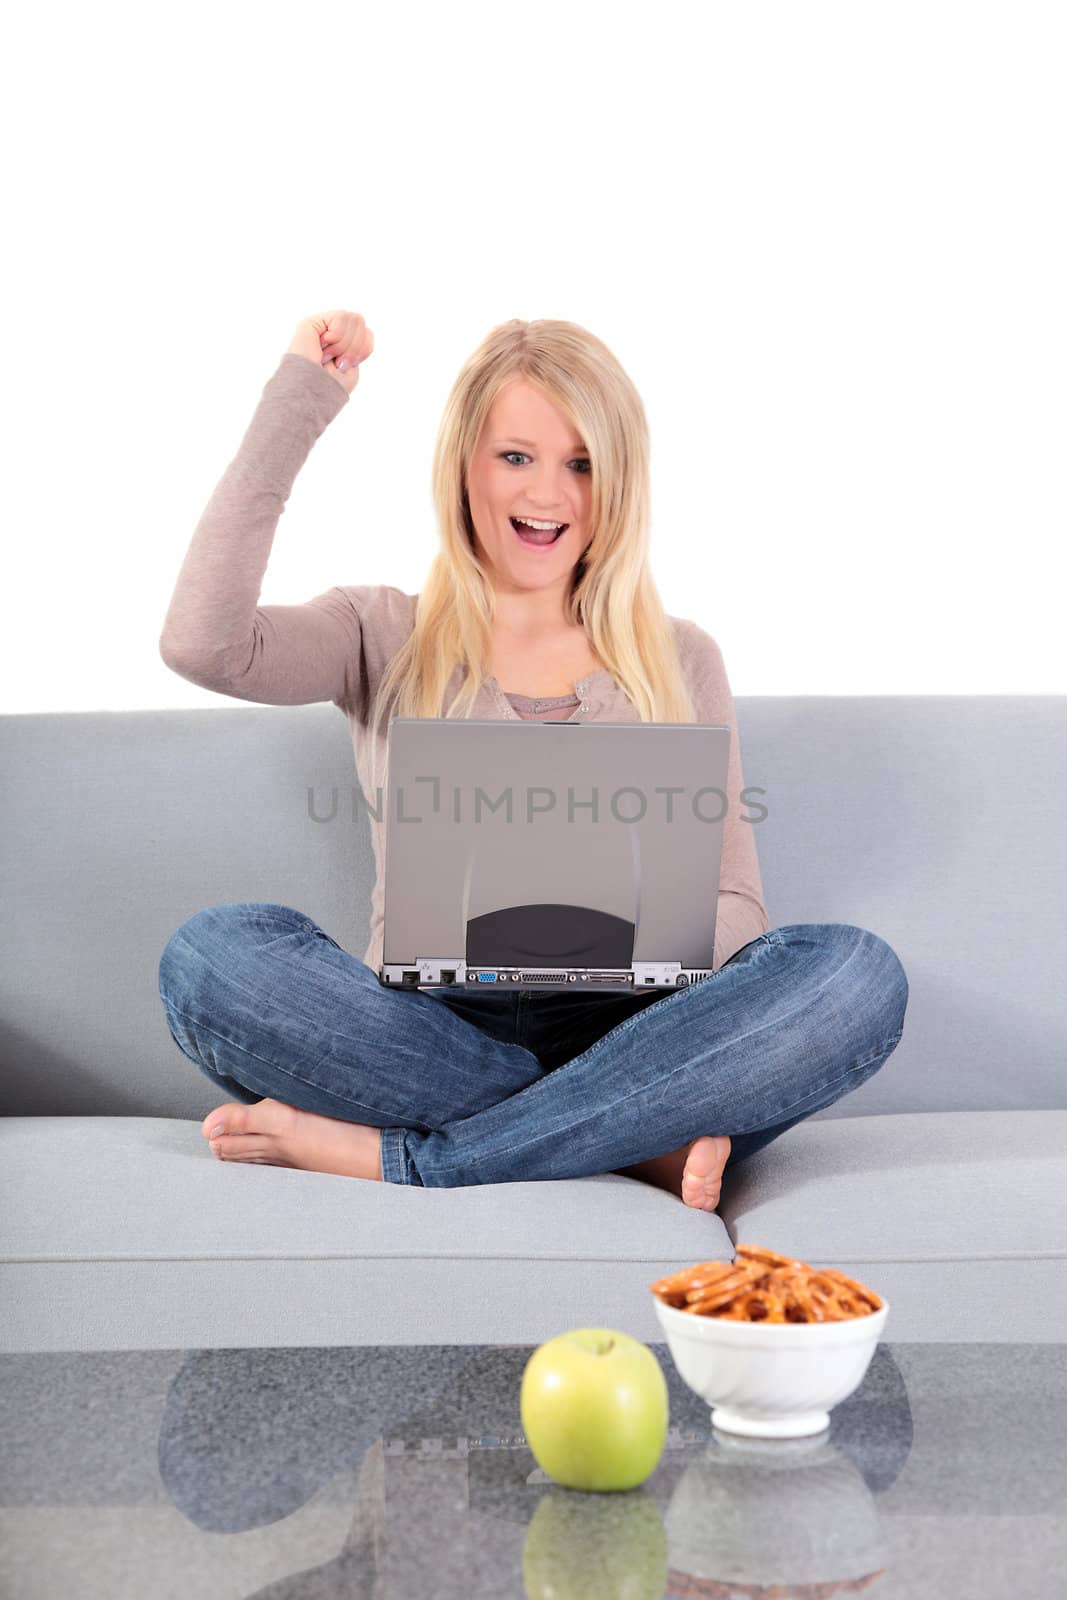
{"points": [[485, 977]]}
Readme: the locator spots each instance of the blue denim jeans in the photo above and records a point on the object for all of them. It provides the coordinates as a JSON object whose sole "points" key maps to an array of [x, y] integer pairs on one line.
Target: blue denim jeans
{"points": [[507, 1088]]}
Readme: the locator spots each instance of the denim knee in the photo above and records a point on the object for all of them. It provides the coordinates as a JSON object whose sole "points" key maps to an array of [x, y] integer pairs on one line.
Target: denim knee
{"points": [[881, 979], [887, 980], [871, 974], [220, 924]]}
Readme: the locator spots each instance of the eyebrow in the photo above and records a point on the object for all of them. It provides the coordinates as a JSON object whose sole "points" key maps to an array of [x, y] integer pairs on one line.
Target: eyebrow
{"points": [[514, 439]]}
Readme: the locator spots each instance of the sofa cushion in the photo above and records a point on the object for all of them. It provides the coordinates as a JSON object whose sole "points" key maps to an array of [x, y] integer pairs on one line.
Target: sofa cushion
{"points": [[956, 1218], [125, 1232]]}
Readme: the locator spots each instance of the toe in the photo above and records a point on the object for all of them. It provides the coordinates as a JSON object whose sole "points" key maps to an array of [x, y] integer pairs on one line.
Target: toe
{"points": [[231, 1118], [696, 1191], [240, 1147], [702, 1178], [707, 1157]]}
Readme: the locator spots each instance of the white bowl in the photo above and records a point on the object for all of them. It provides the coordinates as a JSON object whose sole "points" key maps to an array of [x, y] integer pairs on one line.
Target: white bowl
{"points": [[771, 1380]]}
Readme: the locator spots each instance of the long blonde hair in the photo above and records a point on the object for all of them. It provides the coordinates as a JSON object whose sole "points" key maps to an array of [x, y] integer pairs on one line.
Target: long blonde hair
{"points": [[613, 594]]}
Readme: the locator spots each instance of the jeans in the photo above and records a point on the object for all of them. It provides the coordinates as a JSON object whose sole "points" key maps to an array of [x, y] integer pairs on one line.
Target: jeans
{"points": [[509, 1088]]}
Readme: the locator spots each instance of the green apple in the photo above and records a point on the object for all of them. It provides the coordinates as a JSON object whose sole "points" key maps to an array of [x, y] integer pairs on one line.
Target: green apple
{"points": [[594, 1408], [579, 1547]]}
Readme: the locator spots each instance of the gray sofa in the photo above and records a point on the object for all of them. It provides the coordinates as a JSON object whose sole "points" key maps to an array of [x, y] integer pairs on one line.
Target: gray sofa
{"points": [[936, 821]]}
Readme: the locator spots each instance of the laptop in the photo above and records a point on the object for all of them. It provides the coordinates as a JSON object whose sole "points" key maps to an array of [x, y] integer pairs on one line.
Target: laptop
{"points": [[551, 855]]}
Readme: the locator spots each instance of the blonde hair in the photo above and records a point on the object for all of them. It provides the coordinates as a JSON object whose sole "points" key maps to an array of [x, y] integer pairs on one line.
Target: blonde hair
{"points": [[612, 595]]}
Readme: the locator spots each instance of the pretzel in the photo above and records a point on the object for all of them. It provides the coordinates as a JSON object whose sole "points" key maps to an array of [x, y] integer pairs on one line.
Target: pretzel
{"points": [[759, 1305], [673, 1289], [705, 1300], [770, 1258], [760, 1285], [850, 1283]]}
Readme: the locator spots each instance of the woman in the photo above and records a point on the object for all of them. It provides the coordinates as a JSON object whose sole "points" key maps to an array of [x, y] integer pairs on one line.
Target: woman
{"points": [[329, 1070]]}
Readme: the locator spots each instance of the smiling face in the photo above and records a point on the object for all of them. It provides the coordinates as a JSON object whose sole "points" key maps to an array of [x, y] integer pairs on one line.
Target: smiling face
{"points": [[529, 462]]}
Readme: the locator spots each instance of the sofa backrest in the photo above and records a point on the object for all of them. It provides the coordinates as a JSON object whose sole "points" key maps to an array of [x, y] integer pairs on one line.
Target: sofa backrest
{"points": [[935, 821]]}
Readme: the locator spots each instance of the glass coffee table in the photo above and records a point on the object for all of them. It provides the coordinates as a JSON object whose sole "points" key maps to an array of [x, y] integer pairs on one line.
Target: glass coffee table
{"points": [[402, 1472]]}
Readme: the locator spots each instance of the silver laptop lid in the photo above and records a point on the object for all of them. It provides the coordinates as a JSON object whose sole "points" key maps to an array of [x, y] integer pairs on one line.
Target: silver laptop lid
{"points": [[552, 854]]}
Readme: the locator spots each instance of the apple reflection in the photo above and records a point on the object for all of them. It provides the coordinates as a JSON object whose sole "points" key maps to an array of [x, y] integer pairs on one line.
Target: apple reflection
{"points": [[595, 1547]]}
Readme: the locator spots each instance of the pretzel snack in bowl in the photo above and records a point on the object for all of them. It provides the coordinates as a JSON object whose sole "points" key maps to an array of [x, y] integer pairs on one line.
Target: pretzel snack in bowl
{"points": [[760, 1285], [769, 1342]]}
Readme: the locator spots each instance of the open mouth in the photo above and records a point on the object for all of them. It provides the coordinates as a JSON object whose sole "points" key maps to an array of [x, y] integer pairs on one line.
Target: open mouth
{"points": [[537, 538]]}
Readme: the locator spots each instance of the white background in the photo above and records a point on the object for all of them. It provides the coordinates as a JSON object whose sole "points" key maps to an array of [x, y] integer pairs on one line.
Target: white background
{"points": [[826, 240]]}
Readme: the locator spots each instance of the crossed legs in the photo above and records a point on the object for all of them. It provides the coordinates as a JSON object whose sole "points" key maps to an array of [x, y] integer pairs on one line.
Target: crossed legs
{"points": [[327, 1068]]}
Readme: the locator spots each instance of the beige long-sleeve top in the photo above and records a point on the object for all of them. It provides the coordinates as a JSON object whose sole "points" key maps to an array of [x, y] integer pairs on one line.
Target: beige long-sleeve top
{"points": [[337, 645]]}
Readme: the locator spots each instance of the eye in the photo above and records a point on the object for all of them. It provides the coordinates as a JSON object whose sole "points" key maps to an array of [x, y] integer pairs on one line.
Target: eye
{"points": [[583, 459]]}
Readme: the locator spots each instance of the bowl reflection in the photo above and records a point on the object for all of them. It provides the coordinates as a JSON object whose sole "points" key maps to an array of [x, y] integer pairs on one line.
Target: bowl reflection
{"points": [[783, 1517]]}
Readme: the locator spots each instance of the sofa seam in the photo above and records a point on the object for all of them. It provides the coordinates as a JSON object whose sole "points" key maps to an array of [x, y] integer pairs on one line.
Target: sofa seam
{"points": [[408, 1255]]}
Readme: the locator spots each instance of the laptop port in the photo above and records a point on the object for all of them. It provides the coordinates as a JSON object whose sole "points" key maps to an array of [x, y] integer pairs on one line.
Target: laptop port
{"points": [[485, 977], [448, 974]]}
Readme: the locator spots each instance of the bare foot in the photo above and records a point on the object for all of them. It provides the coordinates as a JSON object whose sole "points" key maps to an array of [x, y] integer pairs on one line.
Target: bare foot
{"points": [[276, 1135], [695, 1171]]}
